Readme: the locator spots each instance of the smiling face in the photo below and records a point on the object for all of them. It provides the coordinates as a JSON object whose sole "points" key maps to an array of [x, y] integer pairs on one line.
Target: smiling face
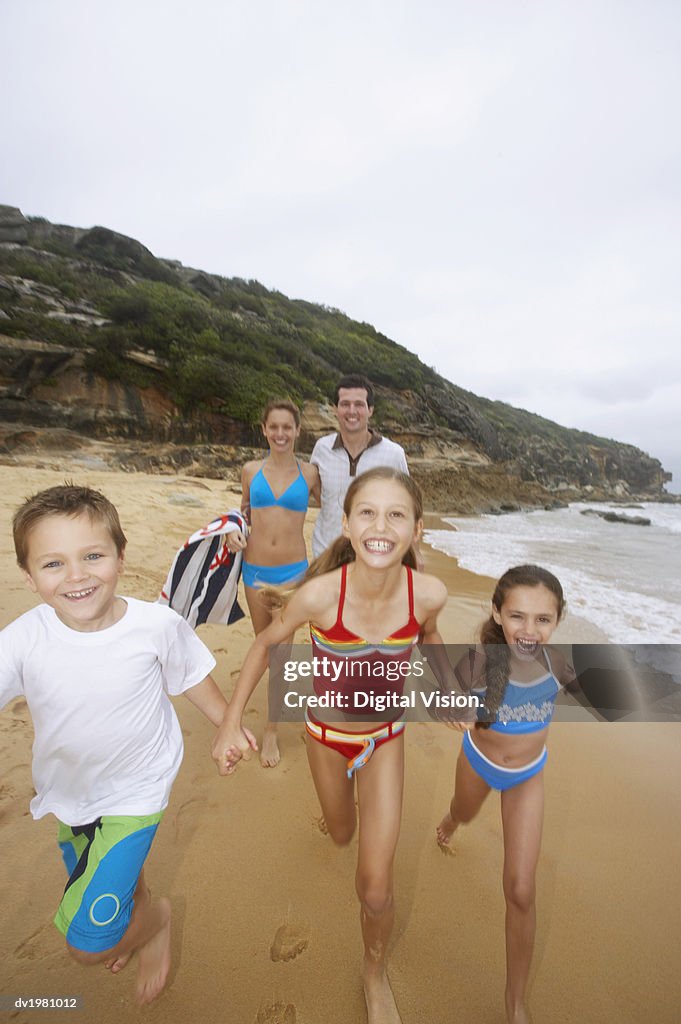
{"points": [[280, 430], [353, 411], [381, 525], [73, 565], [528, 617]]}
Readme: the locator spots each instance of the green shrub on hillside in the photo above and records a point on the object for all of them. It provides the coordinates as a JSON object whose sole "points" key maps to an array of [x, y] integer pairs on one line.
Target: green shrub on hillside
{"points": [[121, 253], [107, 360], [239, 390], [155, 315]]}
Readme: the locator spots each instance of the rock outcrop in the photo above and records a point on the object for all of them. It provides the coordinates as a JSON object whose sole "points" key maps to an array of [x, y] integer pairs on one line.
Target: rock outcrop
{"points": [[616, 517]]}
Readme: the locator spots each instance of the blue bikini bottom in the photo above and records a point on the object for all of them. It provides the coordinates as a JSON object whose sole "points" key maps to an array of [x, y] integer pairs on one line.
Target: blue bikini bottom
{"points": [[257, 576], [493, 774]]}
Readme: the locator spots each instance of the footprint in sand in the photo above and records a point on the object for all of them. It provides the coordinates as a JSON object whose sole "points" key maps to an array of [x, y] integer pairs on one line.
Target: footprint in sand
{"points": [[36, 946], [433, 752], [22, 773], [276, 1013], [8, 801], [187, 816], [289, 942], [14, 798], [446, 850], [320, 822]]}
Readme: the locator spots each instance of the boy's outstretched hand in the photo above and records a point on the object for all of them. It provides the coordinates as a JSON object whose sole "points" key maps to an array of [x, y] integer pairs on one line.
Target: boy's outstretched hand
{"points": [[232, 744]]}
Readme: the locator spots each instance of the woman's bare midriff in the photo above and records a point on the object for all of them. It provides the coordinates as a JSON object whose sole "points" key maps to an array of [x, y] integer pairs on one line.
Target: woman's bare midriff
{"points": [[276, 537]]}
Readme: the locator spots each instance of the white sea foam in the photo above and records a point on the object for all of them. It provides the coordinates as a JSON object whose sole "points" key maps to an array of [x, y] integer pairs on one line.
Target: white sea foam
{"points": [[625, 579]]}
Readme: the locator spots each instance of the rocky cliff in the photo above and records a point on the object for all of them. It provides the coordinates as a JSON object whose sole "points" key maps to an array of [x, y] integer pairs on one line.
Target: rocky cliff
{"points": [[102, 341]]}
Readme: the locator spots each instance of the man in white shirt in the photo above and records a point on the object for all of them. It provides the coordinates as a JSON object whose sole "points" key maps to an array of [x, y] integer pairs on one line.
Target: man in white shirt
{"points": [[342, 456]]}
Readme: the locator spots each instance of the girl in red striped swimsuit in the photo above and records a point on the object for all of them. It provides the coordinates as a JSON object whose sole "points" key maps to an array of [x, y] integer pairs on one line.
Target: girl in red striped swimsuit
{"points": [[362, 600]]}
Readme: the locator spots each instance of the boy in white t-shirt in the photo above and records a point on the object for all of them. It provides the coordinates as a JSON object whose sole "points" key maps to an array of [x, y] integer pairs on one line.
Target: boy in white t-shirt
{"points": [[96, 671]]}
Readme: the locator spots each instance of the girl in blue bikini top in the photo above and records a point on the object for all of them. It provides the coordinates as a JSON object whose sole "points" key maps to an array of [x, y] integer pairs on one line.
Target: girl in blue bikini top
{"points": [[524, 707], [505, 749]]}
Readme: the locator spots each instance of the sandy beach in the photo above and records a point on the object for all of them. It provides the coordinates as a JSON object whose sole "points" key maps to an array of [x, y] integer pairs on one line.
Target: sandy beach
{"points": [[266, 924]]}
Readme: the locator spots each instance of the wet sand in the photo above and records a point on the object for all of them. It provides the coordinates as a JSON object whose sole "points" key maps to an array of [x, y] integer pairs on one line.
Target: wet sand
{"points": [[266, 924]]}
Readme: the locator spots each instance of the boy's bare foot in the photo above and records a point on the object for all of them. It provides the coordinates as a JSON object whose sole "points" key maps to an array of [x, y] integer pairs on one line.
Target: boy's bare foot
{"points": [[381, 1005], [445, 830], [269, 755], [154, 959], [117, 964]]}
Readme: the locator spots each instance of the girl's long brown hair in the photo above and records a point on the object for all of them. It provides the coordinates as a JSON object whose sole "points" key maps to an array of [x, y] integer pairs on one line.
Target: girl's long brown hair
{"points": [[341, 552], [497, 651]]}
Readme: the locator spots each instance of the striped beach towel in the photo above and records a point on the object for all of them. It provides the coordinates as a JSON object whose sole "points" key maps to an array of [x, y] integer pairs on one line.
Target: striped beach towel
{"points": [[203, 579]]}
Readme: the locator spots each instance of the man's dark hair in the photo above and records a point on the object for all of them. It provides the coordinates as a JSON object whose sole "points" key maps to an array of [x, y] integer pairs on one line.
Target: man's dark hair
{"points": [[355, 380]]}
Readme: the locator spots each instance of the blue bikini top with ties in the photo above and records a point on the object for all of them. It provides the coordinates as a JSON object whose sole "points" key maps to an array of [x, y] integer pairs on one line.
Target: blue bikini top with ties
{"points": [[526, 707], [295, 497]]}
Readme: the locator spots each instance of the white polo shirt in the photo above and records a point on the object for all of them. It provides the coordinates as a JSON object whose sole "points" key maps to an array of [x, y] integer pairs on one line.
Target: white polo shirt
{"points": [[336, 469]]}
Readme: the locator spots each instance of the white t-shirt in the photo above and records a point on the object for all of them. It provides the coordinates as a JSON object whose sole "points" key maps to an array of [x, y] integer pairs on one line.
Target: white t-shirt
{"points": [[107, 739], [336, 471]]}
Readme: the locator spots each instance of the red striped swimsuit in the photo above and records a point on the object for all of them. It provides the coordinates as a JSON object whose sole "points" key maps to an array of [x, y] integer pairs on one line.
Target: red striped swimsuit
{"points": [[340, 643]]}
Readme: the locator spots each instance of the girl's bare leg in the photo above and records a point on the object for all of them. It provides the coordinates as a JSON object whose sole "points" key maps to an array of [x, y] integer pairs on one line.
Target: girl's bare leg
{"points": [[522, 813], [336, 792], [379, 788], [261, 617], [469, 794], [148, 934]]}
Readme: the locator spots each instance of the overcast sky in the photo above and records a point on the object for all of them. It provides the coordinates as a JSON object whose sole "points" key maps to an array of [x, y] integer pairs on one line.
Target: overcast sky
{"points": [[495, 185]]}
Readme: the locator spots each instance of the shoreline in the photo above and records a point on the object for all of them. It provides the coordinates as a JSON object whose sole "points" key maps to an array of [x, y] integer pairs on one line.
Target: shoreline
{"points": [[26, 444], [473, 594]]}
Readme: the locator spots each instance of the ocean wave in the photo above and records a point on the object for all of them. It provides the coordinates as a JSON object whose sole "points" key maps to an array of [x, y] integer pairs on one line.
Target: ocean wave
{"points": [[625, 580]]}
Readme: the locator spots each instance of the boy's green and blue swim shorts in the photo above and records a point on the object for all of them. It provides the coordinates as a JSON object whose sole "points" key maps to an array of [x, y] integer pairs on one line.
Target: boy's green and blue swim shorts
{"points": [[104, 861]]}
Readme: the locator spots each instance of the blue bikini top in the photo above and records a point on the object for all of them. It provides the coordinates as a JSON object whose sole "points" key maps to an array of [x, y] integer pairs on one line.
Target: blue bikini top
{"points": [[294, 498], [527, 707]]}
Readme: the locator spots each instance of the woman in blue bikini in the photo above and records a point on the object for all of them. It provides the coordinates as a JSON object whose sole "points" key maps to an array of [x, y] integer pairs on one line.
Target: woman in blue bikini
{"points": [[518, 679], [275, 495]]}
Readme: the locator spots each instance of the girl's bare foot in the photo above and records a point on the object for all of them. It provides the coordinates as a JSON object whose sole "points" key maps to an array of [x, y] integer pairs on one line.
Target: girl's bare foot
{"points": [[381, 1005], [154, 959], [269, 755], [445, 830], [517, 1014]]}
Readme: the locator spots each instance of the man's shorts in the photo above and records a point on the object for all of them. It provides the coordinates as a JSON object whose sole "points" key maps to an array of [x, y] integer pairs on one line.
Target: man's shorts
{"points": [[104, 861]]}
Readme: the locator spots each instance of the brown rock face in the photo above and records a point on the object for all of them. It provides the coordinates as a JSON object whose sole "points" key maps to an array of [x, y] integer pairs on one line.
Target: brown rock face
{"points": [[50, 386]]}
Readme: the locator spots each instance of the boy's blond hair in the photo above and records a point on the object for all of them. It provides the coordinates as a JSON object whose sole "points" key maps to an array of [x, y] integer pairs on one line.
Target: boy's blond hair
{"points": [[65, 500]]}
